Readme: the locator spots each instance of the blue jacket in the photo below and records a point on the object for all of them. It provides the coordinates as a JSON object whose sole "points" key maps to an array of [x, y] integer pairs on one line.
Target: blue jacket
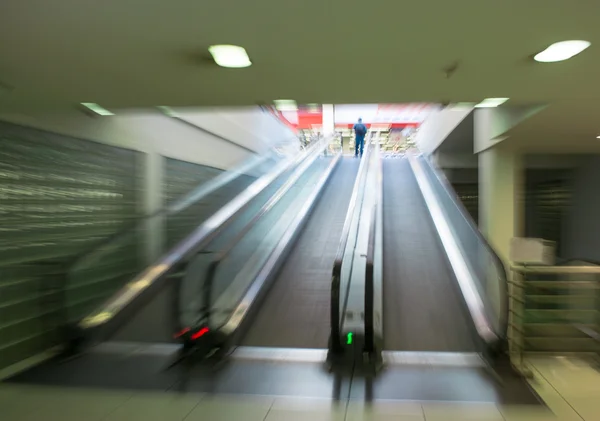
{"points": [[360, 130]]}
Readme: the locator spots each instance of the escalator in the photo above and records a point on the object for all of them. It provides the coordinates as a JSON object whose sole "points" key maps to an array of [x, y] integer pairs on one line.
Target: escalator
{"points": [[260, 288], [293, 313], [303, 205], [423, 309]]}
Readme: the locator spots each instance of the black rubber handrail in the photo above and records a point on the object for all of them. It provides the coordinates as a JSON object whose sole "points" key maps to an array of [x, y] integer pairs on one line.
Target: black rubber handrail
{"points": [[501, 270], [369, 345], [334, 309]]}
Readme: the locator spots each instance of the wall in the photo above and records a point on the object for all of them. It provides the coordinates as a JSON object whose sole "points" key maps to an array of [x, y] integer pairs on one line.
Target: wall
{"points": [[582, 228], [68, 182], [152, 132], [438, 125]]}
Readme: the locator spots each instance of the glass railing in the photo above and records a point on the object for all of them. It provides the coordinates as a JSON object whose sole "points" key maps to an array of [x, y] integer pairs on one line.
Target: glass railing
{"points": [[99, 273], [223, 279], [486, 267]]}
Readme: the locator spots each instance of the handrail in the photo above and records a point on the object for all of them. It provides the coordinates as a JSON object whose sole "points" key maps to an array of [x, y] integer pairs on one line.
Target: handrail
{"points": [[545, 287], [565, 262], [369, 285], [550, 270], [335, 344], [214, 265], [482, 240], [181, 204], [105, 314], [370, 266]]}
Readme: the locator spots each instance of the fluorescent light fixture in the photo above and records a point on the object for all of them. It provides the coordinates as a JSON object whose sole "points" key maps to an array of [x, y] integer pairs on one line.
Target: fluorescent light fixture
{"points": [[597, 137], [231, 56], [464, 104], [168, 111], [286, 105], [561, 51], [96, 108], [491, 102]]}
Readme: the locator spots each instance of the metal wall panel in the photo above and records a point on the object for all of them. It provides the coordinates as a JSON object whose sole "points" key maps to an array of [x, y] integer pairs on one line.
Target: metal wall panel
{"points": [[181, 178], [548, 197], [469, 196], [59, 196]]}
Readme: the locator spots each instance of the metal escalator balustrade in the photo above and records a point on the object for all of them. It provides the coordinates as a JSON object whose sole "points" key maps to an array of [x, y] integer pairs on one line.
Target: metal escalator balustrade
{"points": [[478, 269], [97, 273], [103, 321], [352, 287], [224, 282]]}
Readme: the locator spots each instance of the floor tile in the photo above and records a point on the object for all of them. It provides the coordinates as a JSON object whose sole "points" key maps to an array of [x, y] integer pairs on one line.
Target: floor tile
{"points": [[156, 406], [71, 404], [305, 415], [587, 408], [231, 408], [527, 413], [570, 376], [562, 410], [384, 410], [314, 409], [307, 404], [461, 412]]}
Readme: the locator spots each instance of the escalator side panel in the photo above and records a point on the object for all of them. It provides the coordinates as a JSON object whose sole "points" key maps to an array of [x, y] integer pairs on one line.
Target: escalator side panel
{"points": [[423, 310], [295, 313]]}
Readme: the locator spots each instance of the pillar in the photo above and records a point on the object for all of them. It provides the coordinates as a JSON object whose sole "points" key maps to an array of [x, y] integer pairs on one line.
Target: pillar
{"points": [[153, 231], [501, 209], [328, 120]]}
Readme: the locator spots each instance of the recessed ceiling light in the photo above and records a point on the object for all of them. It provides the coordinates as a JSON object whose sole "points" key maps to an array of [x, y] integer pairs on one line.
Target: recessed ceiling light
{"points": [[231, 56], [561, 51], [597, 137], [286, 105], [491, 102], [96, 108]]}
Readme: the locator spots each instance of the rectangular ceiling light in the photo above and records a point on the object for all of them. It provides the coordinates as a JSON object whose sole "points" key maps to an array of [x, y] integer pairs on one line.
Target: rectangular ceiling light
{"points": [[168, 111], [286, 105], [231, 56], [491, 102], [96, 108]]}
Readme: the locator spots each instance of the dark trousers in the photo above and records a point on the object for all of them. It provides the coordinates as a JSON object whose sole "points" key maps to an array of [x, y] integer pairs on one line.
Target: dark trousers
{"points": [[359, 143]]}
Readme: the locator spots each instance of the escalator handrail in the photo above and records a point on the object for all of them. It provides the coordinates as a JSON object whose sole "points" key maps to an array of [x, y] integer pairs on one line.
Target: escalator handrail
{"points": [[370, 262], [106, 317], [181, 204], [500, 268], [335, 343], [273, 200], [369, 285]]}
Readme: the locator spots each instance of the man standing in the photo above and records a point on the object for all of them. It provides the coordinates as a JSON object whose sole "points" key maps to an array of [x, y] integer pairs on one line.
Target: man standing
{"points": [[360, 131]]}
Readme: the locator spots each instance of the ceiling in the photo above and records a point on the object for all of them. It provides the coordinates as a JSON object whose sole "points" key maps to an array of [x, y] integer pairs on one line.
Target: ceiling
{"points": [[461, 140], [143, 53]]}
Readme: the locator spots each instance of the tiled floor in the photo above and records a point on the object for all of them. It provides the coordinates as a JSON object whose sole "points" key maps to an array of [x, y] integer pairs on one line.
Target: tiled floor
{"points": [[570, 387]]}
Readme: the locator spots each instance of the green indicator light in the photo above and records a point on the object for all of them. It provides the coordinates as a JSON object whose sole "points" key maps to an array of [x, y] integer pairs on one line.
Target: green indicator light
{"points": [[349, 338]]}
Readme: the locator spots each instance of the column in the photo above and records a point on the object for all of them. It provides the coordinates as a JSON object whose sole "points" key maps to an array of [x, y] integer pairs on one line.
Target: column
{"points": [[328, 120], [501, 209], [153, 231]]}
